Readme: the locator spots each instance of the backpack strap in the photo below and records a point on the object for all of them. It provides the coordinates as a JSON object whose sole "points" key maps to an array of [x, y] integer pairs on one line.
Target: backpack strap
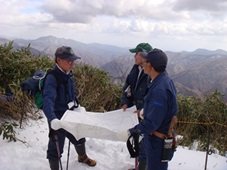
{"points": [[55, 74], [57, 78], [59, 81]]}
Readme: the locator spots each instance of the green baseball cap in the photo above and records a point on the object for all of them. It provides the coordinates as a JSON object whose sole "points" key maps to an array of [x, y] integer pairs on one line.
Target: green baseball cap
{"points": [[142, 47]]}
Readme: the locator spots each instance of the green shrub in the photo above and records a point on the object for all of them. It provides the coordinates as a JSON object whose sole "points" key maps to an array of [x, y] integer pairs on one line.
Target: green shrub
{"points": [[7, 131], [15, 67], [198, 117], [95, 89]]}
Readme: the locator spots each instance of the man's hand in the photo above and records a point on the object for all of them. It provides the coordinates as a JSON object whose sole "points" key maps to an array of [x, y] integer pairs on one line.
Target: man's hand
{"points": [[132, 131], [55, 124], [124, 107], [141, 114], [137, 112], [136, 133]]}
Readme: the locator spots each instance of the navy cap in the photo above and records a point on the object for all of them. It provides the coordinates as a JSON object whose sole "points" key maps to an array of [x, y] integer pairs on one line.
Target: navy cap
{"points": [[157, 58], [66, 53]]}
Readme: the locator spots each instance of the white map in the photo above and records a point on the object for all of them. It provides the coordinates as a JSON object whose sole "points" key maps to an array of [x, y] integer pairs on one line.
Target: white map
{"points": [[111, 125]]}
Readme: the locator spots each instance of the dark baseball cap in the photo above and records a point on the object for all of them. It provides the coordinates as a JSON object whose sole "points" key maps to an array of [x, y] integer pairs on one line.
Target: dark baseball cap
{"points": [[142, 47], [67, 53], [157, 58]]}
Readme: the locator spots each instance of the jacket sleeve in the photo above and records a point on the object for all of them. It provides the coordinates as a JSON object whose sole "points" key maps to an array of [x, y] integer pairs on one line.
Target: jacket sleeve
{"points": [[155, 113], [49, 97]]}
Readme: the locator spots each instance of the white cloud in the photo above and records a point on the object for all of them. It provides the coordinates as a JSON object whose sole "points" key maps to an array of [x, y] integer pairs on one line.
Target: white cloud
{"points": [[205, 5], [119, 22]]}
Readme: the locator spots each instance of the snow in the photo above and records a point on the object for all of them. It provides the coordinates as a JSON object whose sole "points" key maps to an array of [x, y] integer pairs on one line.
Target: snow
{"points": [[110, 155]]}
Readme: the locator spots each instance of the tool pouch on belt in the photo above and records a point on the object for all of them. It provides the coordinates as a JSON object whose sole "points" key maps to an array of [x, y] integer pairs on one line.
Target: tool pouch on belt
{"points": [[169, 147], [167, 151]]}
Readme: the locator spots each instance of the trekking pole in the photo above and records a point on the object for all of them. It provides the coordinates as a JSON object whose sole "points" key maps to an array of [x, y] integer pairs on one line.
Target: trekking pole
{"points": [[67, 165], [58, 150], [136, 163]]}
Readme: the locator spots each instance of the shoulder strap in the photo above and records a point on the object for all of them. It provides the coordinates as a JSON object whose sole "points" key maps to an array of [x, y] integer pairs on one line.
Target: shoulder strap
{"points": [[59, 81], [55, 74]]}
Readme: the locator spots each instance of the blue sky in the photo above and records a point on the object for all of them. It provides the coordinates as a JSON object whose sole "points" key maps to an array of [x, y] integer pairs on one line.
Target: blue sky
{"points": [[174, 25]]}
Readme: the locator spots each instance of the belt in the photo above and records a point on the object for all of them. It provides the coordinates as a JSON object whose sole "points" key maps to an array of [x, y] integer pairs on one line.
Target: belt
{"points": [[158, 134]]}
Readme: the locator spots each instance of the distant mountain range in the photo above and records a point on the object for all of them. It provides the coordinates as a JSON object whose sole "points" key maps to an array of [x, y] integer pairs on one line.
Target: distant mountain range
{"points": [[94, 54], [194, 73]]}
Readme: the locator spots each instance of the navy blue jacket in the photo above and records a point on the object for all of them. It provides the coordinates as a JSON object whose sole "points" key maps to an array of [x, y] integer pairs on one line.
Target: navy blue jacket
{"points": [[137, 92], [160, 105], [56, 96]]}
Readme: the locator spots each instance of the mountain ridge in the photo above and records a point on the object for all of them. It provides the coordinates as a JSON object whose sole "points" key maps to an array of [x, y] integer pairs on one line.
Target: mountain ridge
{"points": [[195, 73]]}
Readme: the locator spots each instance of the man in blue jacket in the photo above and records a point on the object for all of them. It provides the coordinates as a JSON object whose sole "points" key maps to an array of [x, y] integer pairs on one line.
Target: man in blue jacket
{"points": [[160, 106], [58, 92], [136, 82]]}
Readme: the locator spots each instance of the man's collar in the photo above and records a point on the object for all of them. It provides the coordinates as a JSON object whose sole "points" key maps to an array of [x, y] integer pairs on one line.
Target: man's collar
{"points": [[62, 70]]}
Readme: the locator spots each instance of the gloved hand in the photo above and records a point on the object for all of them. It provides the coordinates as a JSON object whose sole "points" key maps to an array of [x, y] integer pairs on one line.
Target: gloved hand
{"points": [[131, 131], [55, 124], [135, 133]]}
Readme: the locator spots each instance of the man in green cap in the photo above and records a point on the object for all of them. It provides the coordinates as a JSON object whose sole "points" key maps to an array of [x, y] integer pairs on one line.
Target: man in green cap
{"points": [[135, 87]]}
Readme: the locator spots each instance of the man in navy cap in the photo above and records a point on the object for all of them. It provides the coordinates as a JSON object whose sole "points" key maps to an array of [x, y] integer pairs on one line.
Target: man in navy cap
{"points": [[160, 106], [58, 92]]}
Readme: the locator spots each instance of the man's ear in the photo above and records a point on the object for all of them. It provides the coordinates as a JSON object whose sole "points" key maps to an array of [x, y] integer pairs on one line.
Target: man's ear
{"points": [[57, 60], [149, 64]]}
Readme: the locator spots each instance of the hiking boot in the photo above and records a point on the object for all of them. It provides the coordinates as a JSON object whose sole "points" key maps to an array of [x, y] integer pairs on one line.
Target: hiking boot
{"points": [[54, 165], [85, 159], [82, 156]]}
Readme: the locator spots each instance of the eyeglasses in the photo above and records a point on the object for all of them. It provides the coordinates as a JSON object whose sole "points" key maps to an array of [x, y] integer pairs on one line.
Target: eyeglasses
{"points": [[145, 61], [69, 62]]}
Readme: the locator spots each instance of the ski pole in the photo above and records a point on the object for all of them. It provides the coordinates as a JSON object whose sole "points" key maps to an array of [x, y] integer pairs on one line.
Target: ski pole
{"points": [[67, 165], [58, 150]]}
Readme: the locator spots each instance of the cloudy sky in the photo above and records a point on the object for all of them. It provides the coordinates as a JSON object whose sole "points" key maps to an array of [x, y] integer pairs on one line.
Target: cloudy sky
{"points": [[174, 25]]}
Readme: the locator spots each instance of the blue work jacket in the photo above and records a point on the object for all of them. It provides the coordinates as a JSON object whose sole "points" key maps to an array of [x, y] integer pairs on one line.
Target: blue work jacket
{"points": [[160, 105]]}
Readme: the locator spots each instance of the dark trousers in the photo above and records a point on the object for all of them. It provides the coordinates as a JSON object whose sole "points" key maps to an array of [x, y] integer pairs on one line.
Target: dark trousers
{"points": [[142, 156], [152, 149], [52, 152]]}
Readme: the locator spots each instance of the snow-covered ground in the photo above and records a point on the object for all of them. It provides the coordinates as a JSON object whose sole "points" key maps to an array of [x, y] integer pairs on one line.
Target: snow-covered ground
{"points": [[110, 155]]}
